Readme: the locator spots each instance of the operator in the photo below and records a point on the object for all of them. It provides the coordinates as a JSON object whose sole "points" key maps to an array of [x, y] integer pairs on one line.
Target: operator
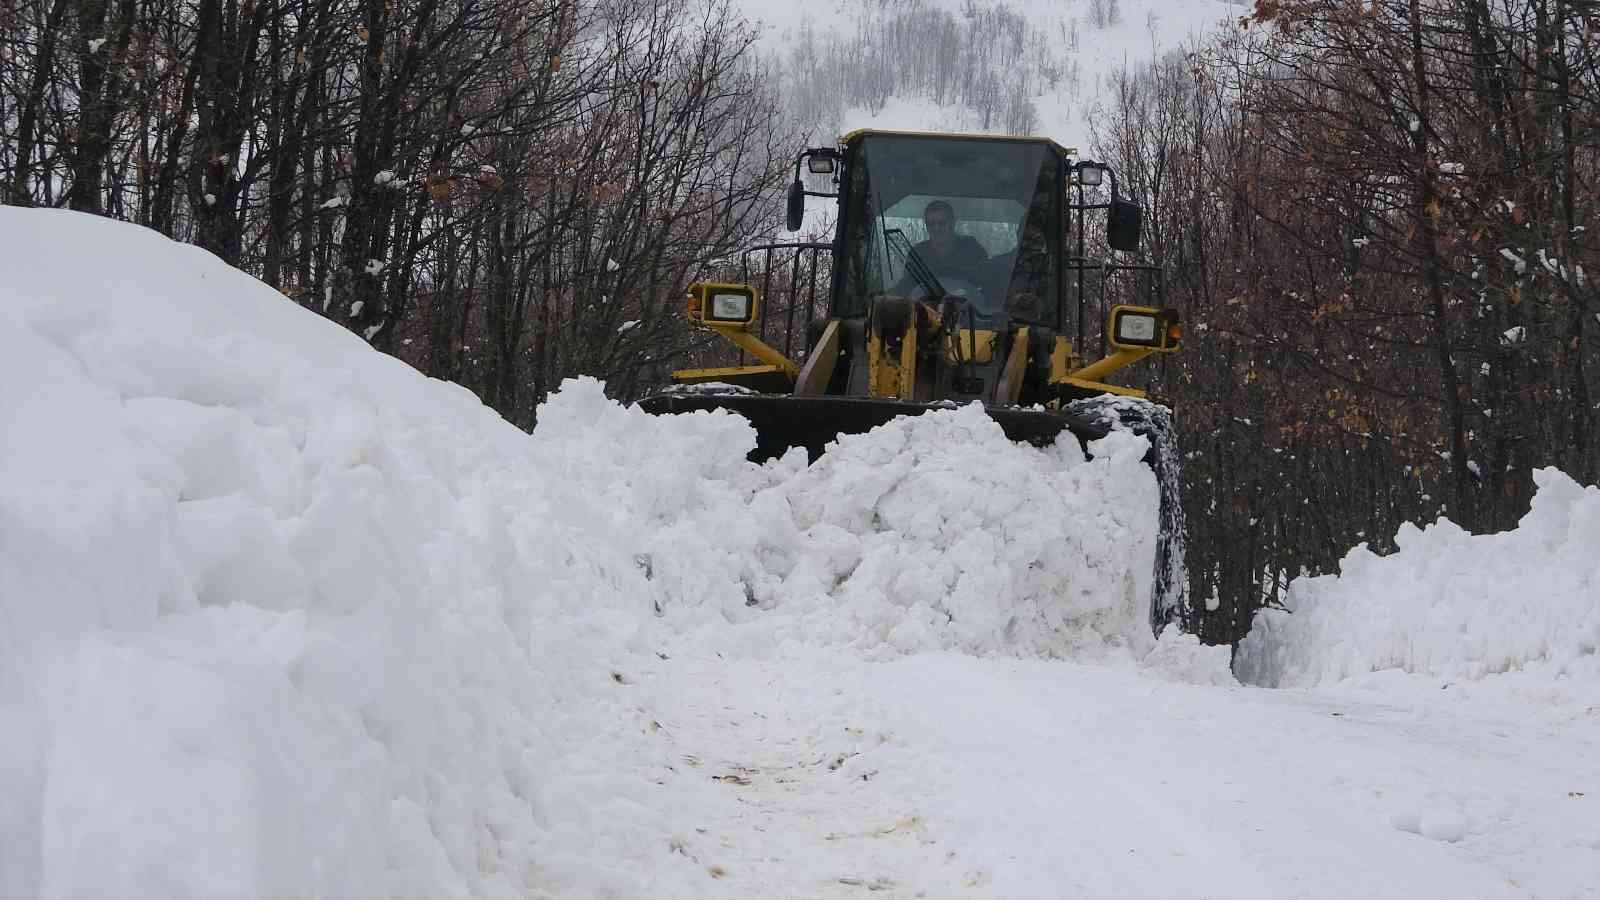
{"points": [[945, 251], [946, 254]]}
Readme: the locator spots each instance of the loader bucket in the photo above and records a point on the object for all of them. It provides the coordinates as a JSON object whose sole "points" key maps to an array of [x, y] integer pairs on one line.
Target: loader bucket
{"points": [[783, 421]]}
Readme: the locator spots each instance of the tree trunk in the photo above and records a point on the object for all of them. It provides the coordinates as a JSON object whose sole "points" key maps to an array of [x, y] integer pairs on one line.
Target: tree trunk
{"points": [[20, 193]]}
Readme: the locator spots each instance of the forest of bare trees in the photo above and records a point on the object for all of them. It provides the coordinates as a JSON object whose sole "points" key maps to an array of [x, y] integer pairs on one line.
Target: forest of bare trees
{"points": [[501, 193], [1378, 218]]}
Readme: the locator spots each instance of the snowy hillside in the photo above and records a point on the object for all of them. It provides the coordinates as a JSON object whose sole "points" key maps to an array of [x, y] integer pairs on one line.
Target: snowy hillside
{"points": [[281, 618], [1038, 67]]}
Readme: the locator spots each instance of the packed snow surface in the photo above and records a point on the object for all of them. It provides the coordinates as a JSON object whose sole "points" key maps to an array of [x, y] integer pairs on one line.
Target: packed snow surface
{"points": [[281, 618]]}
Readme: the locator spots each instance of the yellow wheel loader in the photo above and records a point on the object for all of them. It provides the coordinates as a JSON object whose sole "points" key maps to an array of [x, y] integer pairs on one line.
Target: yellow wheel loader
{"points": [[948, 281]]}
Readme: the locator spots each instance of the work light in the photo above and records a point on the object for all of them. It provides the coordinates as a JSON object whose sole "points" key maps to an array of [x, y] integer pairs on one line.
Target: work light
{"points": [[722, 304], [1136, 328], [1145, 328], [730, 307]]}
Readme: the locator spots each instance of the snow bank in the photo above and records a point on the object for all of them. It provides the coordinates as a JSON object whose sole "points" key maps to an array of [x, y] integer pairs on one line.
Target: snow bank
{"points": [[1448, 604], [276, 612], [280, 617]]}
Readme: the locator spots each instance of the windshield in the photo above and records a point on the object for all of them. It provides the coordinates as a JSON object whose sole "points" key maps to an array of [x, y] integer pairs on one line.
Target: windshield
{"points": [[979, 216]]}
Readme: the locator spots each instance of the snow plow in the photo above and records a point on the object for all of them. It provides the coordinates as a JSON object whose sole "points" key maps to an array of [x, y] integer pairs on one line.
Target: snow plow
{"points": [[949, 281]]}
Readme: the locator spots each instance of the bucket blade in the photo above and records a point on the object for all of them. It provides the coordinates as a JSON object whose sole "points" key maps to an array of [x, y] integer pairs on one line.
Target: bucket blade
{"points": [[783, 421]]}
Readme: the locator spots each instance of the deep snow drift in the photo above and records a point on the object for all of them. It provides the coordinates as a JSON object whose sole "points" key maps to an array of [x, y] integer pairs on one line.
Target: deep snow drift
{"points": [[281, 617]]}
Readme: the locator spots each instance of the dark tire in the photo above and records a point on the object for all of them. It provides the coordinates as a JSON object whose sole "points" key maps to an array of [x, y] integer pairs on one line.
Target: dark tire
{"points": [[1169, 597]]}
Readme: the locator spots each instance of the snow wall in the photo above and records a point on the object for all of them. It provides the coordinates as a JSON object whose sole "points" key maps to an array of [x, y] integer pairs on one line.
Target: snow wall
{"points": [[1448, 604], [279, 617]]}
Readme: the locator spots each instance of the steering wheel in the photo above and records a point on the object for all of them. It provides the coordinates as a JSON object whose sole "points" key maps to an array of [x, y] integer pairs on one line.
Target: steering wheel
{"points": [[961, 286]]}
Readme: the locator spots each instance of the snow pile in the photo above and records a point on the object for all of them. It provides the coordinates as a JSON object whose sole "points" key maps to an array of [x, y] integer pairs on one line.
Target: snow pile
{"points": [[279, 617], [1449, 604], [930, 533]]}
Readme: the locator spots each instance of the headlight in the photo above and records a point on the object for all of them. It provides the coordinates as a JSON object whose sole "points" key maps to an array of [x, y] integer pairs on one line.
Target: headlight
{"points": [[1136, 328], [1145, 328], [715, 303], [730, 307]]}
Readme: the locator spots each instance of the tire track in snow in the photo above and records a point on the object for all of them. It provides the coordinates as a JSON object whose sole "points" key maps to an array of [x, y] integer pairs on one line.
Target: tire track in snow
{"points": [[820, 775]]}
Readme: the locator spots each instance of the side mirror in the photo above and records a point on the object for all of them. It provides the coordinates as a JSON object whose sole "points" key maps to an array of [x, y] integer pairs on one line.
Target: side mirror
{"points": [[797, 205], [1123, 223]]}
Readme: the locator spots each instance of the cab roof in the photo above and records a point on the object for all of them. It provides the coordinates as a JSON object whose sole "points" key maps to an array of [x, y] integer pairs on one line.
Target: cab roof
{"points": [[852, 137]]}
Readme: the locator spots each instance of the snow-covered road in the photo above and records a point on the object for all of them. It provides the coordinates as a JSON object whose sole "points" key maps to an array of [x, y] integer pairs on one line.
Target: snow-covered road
{"points": [[947, 776]]}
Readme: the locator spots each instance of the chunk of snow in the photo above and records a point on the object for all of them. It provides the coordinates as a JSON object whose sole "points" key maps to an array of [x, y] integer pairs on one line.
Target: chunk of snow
{"points": [[374, 266], [211, 199], [332, 203], [627, 326], [1442, 824], [1551, 265], [356, 307], [1513, 335], [1452, 168], [707, 387], [612, 265], [383, 177], [96, 44], [1516, 260]]}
